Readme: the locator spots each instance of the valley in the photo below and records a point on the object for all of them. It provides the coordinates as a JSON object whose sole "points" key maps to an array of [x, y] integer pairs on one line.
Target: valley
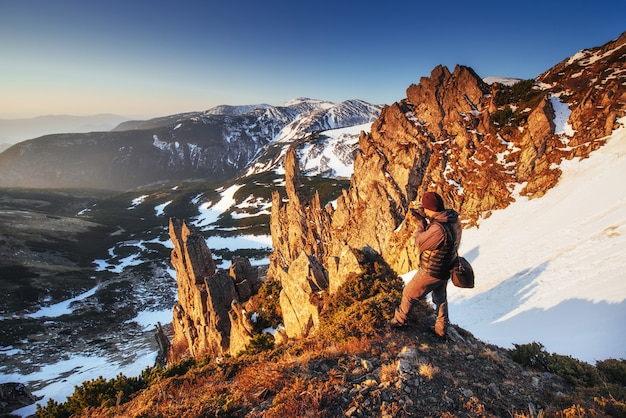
{"points": [[49, 245], [88, 276]]}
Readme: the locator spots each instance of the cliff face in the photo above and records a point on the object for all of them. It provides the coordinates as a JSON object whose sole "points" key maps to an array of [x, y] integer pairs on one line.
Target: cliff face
{"points": [[475, 144]]}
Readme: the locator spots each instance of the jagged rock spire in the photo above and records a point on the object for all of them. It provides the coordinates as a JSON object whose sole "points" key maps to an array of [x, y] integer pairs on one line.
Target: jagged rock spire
{"points": [[208, 317]]}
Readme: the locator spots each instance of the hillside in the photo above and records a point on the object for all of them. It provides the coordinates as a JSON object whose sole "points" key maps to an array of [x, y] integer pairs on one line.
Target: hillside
{"points": [[358, 367]]}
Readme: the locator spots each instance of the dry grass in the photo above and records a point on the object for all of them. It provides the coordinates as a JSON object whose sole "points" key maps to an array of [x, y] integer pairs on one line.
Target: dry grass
{"points": [[179, 397], [300, 399], [475, 407], [306, 379], [389, 372], [272, 384], [354, 346], [491, 355], [428, 371], [264, 379]]}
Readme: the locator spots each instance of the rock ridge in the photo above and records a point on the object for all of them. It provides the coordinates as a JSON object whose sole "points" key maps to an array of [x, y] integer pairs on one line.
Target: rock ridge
{"points": [[479, 146]]}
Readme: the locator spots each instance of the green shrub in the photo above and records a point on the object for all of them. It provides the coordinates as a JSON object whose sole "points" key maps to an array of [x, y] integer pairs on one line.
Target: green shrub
{"points": [[522, 91], [575, 372], [257, 344], [53, 409], [363, 302], [180, 368], [522, 96], [502, 117], [116, 391], [266, 305], [361, 319], [94, 393], [377, 278], [531, 355], [613, 371]]}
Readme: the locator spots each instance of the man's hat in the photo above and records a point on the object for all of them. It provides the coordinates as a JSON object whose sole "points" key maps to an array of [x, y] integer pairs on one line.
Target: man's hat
{"points": [[432, 201]]}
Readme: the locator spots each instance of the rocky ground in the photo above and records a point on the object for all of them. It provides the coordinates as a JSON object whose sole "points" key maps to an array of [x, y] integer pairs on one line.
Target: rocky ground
{"points": [[459, 377], [399, 373]]}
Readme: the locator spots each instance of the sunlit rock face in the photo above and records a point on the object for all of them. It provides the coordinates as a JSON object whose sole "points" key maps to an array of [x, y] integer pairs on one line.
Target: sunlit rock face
{"points": [[208, 317]]}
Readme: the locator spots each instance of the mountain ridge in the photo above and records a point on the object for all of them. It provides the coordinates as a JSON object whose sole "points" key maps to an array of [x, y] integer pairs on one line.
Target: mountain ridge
{"points": [[449, 132], [479, 146], [172, 148]]}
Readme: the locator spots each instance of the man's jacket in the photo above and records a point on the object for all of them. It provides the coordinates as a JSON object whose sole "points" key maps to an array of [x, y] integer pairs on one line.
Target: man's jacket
{"points": [[437, 247]]}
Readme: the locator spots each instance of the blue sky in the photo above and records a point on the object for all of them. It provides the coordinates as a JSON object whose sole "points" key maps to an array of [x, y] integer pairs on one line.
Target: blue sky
{"points": [[140, 59]]}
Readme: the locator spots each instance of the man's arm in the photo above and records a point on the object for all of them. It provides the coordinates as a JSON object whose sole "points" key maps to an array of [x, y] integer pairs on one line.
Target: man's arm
{"points": [[430, 238]]}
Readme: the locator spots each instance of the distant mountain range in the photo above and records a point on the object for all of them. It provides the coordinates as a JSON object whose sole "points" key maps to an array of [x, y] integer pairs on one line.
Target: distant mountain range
{"points": [[13, 131], [217, 144]]}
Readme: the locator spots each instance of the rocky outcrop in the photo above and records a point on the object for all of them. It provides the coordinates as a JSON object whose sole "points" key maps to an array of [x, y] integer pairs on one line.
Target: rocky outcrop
{"points": [[593, 83], [301, 283], [398, 160], [471, 142], [208, 318], [14, 396], [477, 145]]}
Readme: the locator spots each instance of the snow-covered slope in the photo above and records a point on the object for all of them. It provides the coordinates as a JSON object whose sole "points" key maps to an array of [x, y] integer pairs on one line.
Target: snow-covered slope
{"points": [[551, 270], [333, 153]]}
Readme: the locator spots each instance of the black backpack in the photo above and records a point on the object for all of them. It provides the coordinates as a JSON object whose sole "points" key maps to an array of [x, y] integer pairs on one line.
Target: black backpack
{"points": [[461, 271]]}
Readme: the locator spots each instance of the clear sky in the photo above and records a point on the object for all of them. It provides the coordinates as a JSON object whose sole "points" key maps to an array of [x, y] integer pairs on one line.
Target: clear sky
{"points": [[154, 58]]}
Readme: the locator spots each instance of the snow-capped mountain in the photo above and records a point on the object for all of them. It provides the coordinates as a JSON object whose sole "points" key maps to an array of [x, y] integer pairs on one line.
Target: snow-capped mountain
{"points": [[216, 144], [331, 128]]}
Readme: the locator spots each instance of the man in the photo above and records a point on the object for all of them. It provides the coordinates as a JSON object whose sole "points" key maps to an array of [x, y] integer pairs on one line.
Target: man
{"points": [[437, 239]]}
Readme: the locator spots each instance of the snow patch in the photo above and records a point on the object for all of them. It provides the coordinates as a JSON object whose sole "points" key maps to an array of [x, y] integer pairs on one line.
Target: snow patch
{"points": [[61, 308]]}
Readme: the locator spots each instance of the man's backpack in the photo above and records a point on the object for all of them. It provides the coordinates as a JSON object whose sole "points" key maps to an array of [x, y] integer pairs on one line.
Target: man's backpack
{"points": [[461, 272]]}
